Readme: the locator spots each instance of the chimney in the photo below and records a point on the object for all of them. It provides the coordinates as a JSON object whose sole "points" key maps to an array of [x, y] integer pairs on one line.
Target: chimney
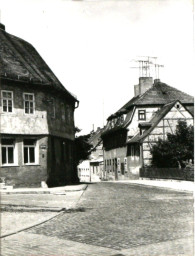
{"points": [[156, 81], [2, 26], [145, 83]]}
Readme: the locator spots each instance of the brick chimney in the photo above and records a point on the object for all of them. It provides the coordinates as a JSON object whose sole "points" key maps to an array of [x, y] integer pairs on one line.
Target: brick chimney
{"points": [[145, 83]]}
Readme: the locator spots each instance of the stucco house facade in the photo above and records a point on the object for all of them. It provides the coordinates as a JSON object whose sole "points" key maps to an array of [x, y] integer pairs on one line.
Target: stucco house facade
{"points": [[36, 118], [153, 112], [92, 170]]}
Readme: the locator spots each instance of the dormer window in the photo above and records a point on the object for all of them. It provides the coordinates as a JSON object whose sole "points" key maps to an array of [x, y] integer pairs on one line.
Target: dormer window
{"points": [[141, 115]]}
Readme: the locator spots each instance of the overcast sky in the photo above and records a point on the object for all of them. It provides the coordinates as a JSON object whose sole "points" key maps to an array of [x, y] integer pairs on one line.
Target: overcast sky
{"points": [[89, 46]]}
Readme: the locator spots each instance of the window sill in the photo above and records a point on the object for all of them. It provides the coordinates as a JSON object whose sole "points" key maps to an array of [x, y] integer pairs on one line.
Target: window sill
{"points": [[7, 113], [10, 165], [31, 164]]}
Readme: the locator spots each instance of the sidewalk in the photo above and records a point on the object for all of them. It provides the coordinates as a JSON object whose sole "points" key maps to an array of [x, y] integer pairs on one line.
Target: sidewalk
{"points": [[24, 208], [185, 186]]}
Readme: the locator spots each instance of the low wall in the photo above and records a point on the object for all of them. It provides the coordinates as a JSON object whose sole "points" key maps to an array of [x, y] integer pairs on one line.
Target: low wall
{"points": [[167, 173]]}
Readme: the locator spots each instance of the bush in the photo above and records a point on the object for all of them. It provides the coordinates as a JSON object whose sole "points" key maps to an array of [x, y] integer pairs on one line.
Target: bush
{"points": [[177, 150]]}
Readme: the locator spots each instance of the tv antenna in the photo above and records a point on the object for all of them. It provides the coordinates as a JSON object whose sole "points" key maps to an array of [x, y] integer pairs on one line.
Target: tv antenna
{"points": [[146, 66]]}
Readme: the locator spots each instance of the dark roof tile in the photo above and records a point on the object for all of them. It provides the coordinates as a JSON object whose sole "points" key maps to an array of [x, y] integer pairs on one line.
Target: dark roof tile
{"points": [[20, 61], [159, 94]]}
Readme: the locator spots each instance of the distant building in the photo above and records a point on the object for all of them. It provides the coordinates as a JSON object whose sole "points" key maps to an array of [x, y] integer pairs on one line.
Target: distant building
{"points": [[37, 118], [84, 172], [151, 113], [93, 169]]}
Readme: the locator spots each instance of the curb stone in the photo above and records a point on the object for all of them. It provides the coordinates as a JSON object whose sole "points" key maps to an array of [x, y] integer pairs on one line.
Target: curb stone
{"points": [[153, 186], [57, 190]]}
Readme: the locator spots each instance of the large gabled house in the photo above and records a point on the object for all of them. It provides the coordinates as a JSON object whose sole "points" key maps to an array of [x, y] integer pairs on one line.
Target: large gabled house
{"points": [[36, 118], [153, 111]]}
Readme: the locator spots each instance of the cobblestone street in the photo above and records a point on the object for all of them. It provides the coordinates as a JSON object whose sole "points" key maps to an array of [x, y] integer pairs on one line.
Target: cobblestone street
{"points": [[113, 219]]}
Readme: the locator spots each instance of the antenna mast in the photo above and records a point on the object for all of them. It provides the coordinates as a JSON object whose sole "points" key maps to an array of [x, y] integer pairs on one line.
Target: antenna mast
{"points": [[147, 64]]}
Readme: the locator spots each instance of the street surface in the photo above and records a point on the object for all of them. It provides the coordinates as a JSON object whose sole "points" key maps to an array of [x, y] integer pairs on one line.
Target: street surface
{"points": [[113, 219]]}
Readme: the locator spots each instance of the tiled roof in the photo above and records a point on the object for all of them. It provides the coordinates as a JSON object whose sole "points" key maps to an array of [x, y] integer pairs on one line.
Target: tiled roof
{"points": [[19, 61], [95, 138], [159, 94], [119, 126], [190, 109]]}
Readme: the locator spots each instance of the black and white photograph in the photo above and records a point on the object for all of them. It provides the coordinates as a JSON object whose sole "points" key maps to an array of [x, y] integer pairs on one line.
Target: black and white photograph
{"points": [[97, 127]]}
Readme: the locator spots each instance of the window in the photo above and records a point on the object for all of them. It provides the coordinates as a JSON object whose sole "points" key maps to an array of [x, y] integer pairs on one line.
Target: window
{"points": [[29, 103], [29, 151], [7, 151], [7, 101], [141, 114]]}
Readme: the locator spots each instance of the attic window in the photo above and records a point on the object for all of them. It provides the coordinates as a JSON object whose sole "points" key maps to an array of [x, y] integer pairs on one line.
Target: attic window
{"points": [[141, 115], [178, 106]]}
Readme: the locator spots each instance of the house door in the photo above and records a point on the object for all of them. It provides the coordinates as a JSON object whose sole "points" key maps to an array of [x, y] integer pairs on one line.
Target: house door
{"points": [[122, 169], [115, 169]]}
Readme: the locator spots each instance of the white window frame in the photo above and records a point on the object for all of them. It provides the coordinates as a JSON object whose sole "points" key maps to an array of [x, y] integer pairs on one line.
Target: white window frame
{"points": [[142, 115], [36, 151], [15, 153], [12, 101], [33, 101]]}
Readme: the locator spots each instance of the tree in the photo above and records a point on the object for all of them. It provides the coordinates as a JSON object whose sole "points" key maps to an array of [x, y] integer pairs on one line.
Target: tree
{"points": [[83, 148], [177, 150]]}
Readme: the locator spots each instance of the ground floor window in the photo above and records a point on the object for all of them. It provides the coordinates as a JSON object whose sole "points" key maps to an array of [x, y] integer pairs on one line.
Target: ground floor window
{"points": [[29, 151], [7, 151]]}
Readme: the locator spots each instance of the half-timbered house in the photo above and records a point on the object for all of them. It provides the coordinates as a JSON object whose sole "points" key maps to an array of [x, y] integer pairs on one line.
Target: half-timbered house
{"points": [[151, 113]]}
